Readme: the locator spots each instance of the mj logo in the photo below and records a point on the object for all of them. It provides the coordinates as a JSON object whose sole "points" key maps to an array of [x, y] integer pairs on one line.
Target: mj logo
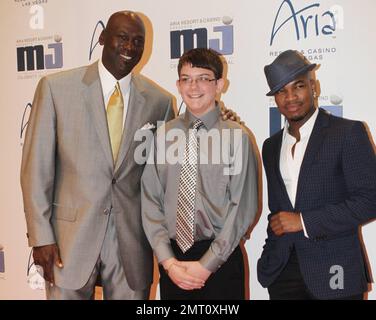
{"points": [[30, 57], [184, 40]]}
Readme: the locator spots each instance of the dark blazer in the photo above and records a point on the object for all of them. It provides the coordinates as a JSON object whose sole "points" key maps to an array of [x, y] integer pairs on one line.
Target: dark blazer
{"points": [[336, 194]]}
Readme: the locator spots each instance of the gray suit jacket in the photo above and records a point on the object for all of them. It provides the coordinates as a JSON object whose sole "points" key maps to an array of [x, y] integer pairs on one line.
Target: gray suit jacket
{"points": [[68, 179]]}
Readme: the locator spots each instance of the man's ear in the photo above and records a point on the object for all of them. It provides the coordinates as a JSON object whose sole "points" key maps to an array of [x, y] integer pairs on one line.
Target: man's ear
{"points": [[102, 37], [313, 85]]}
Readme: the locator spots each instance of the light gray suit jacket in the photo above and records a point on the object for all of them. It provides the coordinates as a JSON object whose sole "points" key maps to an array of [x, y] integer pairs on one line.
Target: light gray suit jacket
{"points": [[68, 179]]}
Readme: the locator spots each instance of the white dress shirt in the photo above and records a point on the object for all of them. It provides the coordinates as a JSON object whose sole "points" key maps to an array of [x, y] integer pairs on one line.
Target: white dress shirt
{"points": [[289, 164], [108, 82]]}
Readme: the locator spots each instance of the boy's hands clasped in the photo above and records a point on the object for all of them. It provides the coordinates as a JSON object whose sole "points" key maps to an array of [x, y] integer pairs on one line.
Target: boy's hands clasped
{"points": [[187, 275]]}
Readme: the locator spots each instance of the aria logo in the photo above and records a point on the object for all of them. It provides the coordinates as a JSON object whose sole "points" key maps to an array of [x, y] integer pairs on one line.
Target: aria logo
{"points": [[217, 37], [95, 37], [306, 21], [25, 120]]}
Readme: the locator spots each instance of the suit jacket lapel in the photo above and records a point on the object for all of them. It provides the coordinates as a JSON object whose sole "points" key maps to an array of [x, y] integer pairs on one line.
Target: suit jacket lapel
{"points": [[315, 141], [136, 117], [94, 102], [277, 147]]}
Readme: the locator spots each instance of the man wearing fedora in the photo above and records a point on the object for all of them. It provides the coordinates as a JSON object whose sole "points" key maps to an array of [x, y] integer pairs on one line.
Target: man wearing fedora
{"points": [[321, 173]]}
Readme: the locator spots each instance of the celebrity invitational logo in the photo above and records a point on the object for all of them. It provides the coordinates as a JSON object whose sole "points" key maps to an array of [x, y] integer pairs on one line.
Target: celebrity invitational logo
{"points": [[216, 33]]}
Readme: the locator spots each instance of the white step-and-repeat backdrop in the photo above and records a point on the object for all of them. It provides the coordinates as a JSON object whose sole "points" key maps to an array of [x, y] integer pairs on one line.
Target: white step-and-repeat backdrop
{"points": [[39, 37]]}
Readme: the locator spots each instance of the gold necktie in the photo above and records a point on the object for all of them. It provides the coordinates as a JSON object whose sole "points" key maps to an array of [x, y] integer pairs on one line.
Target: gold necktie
{"points": [[115, 109]]}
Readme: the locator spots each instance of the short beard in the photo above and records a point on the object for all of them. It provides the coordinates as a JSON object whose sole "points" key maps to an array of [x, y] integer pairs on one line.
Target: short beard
{"points": [[298, 118], [301, 117]]}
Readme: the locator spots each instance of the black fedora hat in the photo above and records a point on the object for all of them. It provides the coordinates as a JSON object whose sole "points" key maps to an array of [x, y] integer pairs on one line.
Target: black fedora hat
{"points": [[285, 68]]}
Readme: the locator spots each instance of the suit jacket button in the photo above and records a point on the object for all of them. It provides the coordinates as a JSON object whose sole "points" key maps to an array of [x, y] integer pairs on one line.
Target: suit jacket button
{"points": [[106, 211], [113, 181]]}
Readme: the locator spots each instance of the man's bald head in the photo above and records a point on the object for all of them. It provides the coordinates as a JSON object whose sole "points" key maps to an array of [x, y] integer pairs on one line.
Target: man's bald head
{"points": [[126, 13], [123, 42]]}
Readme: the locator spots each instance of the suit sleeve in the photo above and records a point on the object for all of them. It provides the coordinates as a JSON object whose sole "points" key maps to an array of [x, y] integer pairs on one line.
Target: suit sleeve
{"points": [[170, 113], [359, 170], [38, 167]]}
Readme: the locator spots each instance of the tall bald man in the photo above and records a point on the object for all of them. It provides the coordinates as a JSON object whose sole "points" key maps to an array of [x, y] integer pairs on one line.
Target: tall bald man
{"points": [[80, 182]]}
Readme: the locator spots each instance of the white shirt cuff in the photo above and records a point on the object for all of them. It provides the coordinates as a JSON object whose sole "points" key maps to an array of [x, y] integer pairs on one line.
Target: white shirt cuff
{"points": [[304, 229]]}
